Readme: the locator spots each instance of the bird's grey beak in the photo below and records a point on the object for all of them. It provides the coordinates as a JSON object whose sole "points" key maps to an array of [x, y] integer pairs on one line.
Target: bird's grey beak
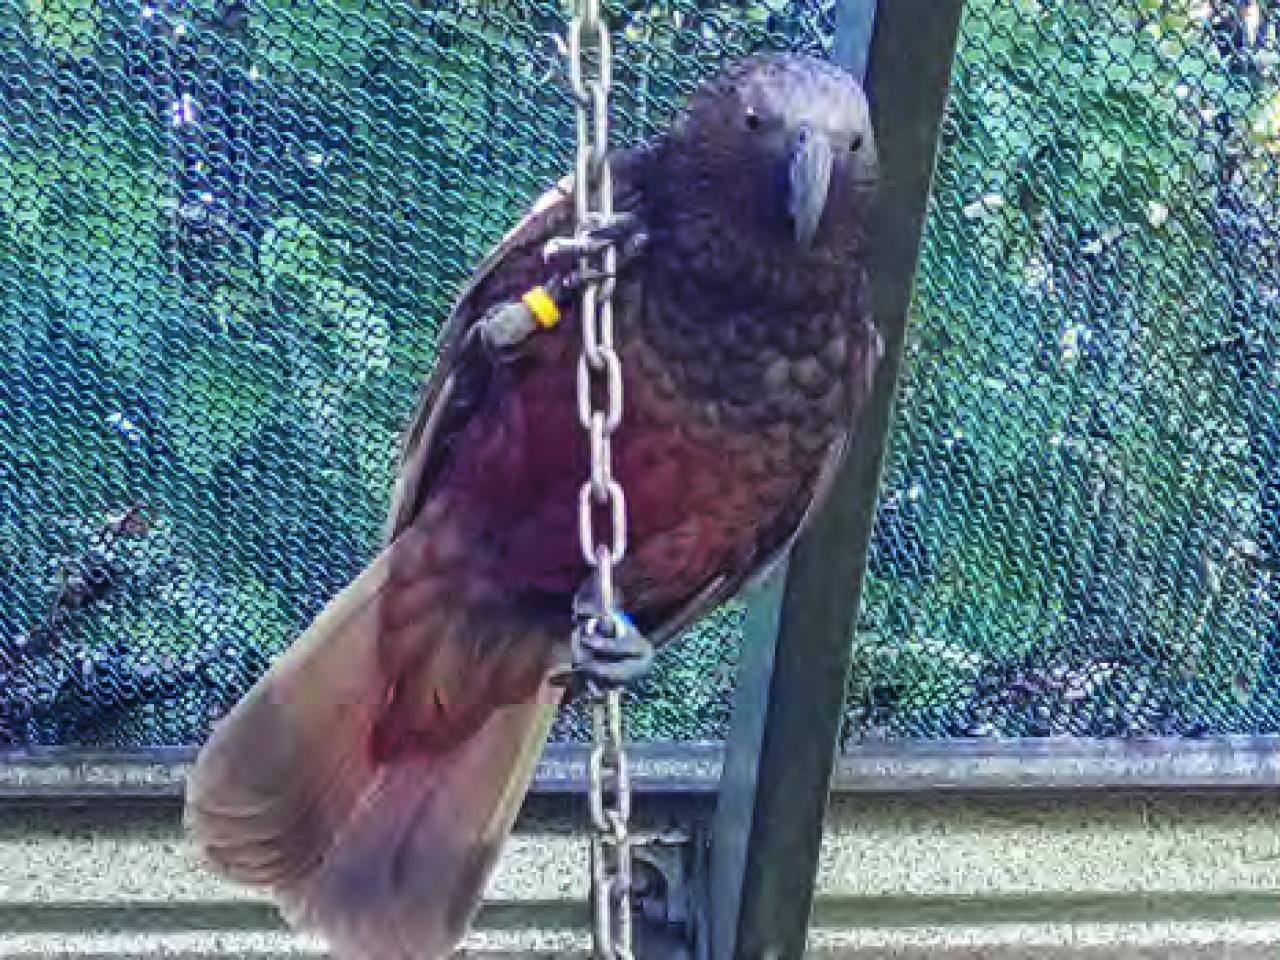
{"points": [[809, 179]]}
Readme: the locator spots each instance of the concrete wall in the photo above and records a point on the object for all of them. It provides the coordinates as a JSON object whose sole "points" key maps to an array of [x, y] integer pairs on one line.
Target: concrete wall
{"points": [[1003, 874]]}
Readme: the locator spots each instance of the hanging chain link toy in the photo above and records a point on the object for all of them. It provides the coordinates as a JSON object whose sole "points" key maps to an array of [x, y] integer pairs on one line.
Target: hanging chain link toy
{"points": [[609, 798]]}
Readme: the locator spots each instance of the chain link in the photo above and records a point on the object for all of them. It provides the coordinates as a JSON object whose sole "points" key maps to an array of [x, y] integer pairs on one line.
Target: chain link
{"points": [[600, 375]]}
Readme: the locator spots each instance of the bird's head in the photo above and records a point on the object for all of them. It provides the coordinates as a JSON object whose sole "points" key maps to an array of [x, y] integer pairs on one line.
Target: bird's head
{"points": [[782, 145]]}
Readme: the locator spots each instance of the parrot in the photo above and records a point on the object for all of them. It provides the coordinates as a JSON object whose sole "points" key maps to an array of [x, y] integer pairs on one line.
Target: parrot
{"points": [[370, 778]]}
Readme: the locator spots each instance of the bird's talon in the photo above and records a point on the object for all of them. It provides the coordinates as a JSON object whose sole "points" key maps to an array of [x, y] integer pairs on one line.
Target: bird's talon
{"points": [[601, 663], [614, 636], [615, 228], [607, 650], [622, 230], [601, 677], [634, 245], [611, 661], [588, 601]]}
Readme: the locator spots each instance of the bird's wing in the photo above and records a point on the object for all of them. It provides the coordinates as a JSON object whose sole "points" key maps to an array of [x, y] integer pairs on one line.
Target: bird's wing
{"points": [[457, 381]]}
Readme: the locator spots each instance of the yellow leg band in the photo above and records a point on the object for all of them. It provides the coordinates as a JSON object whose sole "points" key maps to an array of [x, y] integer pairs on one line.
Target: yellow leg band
{"points": [[543, 307]]}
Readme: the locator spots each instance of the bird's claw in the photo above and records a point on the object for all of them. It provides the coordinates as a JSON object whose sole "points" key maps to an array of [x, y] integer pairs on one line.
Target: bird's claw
{"points": [[621, 230], [610, 653], [507, 325], [589, 601], [607, 650], [613, 226]]}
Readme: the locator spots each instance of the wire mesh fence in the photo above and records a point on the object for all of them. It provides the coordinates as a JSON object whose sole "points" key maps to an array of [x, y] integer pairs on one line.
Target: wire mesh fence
{"points": [[230, 229], [1082, 523]]}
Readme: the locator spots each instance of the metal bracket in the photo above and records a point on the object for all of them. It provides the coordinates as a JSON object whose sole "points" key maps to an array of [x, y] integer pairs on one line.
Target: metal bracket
{"points": [[667, 877]]}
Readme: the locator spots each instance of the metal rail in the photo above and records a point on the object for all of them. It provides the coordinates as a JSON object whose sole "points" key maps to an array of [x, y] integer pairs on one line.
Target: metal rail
{"points": [[693, 769]]}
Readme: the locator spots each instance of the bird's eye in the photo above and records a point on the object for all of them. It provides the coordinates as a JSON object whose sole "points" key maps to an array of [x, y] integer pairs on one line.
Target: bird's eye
{"points": [[752, 120], [856, 143]]}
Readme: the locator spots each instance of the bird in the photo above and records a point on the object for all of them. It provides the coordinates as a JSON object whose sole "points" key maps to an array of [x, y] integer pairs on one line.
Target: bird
{"points": [[371, 776]]}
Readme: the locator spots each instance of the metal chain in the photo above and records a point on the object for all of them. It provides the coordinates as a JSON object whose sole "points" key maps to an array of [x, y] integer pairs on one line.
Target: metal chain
{"points": [[599, 372]]}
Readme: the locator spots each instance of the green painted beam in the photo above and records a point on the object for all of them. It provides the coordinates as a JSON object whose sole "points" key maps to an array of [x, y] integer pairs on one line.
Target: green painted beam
{"points": [[794, 672]]}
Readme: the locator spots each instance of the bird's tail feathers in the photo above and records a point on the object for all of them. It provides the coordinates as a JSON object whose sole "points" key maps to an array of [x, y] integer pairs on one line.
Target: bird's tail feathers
{"points": [[369, 778]]}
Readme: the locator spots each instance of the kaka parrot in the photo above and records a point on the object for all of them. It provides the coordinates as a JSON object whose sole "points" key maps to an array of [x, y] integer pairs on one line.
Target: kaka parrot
{"points": [[371, 776]]}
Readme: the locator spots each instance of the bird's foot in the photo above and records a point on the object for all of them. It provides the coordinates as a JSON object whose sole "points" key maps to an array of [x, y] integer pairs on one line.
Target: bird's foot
{"points": [[505, 326], [509, 324], [607, 650], [609, 653], [625, 231]]}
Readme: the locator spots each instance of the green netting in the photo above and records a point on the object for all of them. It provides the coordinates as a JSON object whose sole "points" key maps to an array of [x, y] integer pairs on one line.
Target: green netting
{"points": [[228, 229], [1081, 525]]}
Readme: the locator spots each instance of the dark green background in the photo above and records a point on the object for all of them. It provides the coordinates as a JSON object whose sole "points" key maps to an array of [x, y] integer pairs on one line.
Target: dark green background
{"points": [[228, 231]]}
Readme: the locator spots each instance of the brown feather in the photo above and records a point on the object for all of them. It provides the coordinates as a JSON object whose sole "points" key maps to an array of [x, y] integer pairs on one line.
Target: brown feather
{"points": [[370, 776]]}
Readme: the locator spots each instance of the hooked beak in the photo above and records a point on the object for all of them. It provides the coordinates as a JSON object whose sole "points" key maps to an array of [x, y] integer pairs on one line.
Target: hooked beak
{"points": [[808, 180]]}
